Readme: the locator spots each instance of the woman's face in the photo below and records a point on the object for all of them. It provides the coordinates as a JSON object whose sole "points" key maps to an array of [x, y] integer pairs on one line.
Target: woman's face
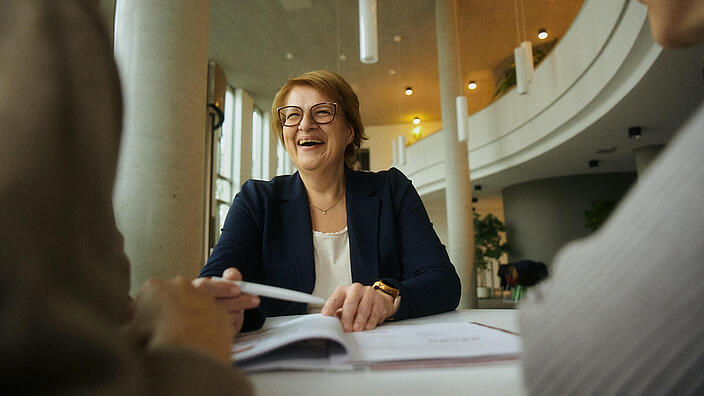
{"points": [[314, 146]]}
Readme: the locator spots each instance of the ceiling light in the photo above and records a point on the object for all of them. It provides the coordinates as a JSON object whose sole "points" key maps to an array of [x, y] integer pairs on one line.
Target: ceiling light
{"points": [[368, 45], [472, 85], [397, 38], [416, 132], [289, 55], [542, 33], [401, 149], [593, 163], [392, 71], [523, 69], [409, 91], [528, 49], [343, 57], [635, 132], [416, 121]]}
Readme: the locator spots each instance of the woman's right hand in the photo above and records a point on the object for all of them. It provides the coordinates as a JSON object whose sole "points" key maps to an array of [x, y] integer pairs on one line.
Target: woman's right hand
{"points": [[229, 296]]}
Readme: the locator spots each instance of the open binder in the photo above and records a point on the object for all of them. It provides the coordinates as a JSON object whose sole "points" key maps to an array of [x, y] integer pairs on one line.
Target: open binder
{"points": [[317, 342]]}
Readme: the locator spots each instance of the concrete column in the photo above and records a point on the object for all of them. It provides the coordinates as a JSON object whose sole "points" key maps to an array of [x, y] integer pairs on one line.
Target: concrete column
{"points": [[271, 142], [244, 106], [645, 155], [458, 194], [162, 54]]}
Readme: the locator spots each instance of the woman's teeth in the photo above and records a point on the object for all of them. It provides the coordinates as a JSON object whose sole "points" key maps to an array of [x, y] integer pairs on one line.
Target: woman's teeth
{"points": [[309, 142]]}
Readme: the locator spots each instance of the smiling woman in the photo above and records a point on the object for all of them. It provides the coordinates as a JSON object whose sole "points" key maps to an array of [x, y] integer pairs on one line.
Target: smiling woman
{"points": [[361, 240]]}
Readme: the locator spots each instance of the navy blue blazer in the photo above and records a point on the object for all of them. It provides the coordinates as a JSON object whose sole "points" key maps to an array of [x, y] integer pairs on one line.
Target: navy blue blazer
{"points": [[268, 236]]}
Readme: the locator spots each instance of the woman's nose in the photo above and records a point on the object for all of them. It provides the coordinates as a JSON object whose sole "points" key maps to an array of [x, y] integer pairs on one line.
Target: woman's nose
{"points": [[307, 121]]}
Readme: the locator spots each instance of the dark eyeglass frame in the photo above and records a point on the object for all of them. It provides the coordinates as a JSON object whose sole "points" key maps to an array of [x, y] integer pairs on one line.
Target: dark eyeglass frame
{"points": [[310, 111]]}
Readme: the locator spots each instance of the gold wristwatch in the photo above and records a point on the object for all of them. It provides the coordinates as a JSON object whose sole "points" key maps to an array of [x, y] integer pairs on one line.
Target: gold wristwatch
{"points": [[384, 288]]}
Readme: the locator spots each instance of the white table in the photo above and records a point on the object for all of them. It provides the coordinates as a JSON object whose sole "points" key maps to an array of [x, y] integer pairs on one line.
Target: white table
{"points": [[489, 379]]}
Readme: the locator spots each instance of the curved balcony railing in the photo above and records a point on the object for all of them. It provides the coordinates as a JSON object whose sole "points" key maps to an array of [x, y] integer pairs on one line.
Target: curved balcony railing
{"points": [[601, 58]]}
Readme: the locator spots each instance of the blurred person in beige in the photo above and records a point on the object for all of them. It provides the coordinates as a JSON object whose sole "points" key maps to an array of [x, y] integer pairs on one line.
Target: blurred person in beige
{"points": [[67, 324], [623, 313]]}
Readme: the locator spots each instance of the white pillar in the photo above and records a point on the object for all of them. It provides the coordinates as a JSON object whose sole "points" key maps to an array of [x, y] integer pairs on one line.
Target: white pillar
{"points": [[162, 54], [244, 106], [458, 194], [271, 148]]}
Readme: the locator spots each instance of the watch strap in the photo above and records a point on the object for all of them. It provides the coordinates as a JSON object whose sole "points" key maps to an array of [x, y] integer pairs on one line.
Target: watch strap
{"points": [[385, 288]]}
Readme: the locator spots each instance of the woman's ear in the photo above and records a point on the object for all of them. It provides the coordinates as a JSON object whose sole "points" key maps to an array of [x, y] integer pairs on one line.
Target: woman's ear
{"points": [[350, 134]]}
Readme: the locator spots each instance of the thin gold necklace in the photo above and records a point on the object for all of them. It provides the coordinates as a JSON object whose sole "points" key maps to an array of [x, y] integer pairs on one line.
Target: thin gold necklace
{"points": [[325, 211]]}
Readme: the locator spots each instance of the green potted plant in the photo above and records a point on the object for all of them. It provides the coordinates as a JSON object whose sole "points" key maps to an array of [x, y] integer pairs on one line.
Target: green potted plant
{"points": [[597, 213], [488, 248]]}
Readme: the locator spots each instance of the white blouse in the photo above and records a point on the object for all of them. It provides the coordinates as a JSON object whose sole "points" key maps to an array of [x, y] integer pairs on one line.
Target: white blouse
{"points": [[332, 263]]}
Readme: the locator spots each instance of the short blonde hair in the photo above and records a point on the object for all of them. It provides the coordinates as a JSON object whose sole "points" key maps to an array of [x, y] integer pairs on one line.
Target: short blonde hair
{"points": [[334, 86]]}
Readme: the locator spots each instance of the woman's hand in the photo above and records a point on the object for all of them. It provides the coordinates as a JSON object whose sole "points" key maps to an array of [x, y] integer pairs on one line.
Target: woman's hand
{"points": [[229, 296], [172, 312], [359, 307]]}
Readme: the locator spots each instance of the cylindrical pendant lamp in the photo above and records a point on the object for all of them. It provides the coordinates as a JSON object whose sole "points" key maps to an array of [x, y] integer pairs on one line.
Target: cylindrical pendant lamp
{"points": [[368, 45], [528, 48], [401, 150], [521, 62]]}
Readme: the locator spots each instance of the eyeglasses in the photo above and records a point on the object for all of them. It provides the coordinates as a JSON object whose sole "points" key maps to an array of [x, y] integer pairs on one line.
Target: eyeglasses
{"points": [[322, 113]]}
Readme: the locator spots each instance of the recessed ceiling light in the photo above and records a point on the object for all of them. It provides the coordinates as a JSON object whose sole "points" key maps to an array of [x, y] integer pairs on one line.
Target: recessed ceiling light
{"points": [[289, 55], [397, 38], [472, 85], [343, 57], [416, 121], [392, 71], [542, 33], [635, 132], [409, 91]]}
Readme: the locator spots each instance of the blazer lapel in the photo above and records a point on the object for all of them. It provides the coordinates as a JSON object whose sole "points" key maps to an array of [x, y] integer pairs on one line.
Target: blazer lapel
{"points": [[362, 226], [295, 214]]}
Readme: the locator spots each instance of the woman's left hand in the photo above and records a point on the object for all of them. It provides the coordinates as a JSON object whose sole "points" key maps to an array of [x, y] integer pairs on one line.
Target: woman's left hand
{"points": [[359, 307]]}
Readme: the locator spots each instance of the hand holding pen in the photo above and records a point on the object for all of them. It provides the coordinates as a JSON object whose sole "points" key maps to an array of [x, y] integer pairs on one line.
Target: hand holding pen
{"points": [[229, 295]]}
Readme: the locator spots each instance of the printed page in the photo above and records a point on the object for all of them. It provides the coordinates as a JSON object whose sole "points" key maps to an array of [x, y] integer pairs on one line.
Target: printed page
{"points": [[308, 327], [431, 341]]}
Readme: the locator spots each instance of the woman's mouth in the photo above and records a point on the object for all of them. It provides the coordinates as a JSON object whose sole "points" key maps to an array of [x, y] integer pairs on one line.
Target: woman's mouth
{"points": [[309, 142]]}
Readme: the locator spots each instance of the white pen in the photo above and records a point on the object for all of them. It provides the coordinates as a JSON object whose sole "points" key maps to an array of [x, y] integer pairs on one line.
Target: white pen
{"points": [[273, 292]]}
